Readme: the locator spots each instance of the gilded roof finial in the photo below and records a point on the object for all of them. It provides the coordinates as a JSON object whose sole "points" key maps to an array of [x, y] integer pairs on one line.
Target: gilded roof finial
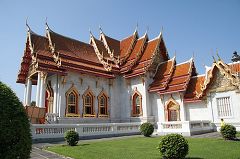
{"points": [[219, 59], [28, 28], [136, 28], [100, 28], [147, 29], [213, 58], [47, 27], [90, 32]]}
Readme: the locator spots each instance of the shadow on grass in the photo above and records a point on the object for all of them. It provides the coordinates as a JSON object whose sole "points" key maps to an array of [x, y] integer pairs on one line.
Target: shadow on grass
{"points": [[83, 145], [237, 139]]}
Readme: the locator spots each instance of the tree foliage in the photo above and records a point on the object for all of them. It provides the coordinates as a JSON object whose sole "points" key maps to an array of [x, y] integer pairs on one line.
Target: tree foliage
{"points": [[15, 136]]}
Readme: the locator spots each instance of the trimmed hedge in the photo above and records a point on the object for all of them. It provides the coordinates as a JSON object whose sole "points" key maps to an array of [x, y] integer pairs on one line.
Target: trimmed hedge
{"points": [[173, 146], [228, 132], [71, 137], [15, 136], [146, 129]]}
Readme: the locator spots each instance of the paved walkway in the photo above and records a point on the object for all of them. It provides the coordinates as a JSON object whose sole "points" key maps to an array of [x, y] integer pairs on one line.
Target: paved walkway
{"points": [[39, 153], [43, 154]]}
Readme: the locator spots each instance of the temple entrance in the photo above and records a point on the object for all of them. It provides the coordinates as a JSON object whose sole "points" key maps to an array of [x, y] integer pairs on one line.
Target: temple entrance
{"points": [[49, 99], [172, 111]]}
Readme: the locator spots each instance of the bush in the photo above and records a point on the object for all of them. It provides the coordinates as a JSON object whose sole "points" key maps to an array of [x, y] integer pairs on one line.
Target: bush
{"points": [[71, 137], [228, 132], [15, 136], [146, 129], [173, 146]]}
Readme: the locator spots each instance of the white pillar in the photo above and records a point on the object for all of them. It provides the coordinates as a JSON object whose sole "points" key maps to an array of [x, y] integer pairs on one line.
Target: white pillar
{"points": [[38, 89], [182, 112], [29, 92], [55, 95], [42, 90], [25, 95]]}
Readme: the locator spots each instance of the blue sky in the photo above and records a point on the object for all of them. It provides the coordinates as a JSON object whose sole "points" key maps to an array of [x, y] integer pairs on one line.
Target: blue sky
{"points": [[189, 26]]}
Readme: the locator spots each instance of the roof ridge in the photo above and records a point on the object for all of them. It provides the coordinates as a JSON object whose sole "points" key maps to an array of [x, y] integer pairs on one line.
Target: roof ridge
{"points": [[188, 61], [232, 63], [198, 76], [157, 37]]}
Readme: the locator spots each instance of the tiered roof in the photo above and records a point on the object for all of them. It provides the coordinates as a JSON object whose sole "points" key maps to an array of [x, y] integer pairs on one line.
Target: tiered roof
{"points": [[194, 88], [172, 78], [105, 57]]}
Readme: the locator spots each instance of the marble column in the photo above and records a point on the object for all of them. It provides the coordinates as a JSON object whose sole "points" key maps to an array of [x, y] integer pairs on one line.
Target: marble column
{"points": [[55, 95], [29, 92], [42, 90], [38, 89], [25, 95]]}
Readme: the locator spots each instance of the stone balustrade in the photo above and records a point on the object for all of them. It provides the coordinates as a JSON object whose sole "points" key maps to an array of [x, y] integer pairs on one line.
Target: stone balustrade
{"points": [[186, 128], [51, 117], [44, 131]]}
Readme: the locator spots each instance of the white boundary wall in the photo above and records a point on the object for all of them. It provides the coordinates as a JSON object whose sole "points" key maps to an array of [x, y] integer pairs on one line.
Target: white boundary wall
{"points": [[45, 131]]}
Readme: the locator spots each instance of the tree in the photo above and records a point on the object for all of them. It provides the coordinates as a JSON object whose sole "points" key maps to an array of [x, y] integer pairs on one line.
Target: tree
{"points": [[15, 136]]}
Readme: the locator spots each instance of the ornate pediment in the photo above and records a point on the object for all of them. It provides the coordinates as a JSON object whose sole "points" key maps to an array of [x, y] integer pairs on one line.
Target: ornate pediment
{"points": [[221, 83]]}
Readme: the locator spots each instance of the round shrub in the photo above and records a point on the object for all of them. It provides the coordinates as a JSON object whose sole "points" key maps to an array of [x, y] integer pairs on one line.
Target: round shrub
{"points": [[71, 137], [15, 136], [173, 146], [146, 129], [228, 132]]}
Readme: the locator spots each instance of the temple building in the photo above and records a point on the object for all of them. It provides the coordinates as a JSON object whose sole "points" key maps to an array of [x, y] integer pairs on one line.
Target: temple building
{"points": [[128, 80]]}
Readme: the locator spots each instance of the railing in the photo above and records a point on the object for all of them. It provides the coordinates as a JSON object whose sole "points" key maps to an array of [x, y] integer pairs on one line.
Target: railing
{"points": [[51, 117], [186, 128], [57, 130]]}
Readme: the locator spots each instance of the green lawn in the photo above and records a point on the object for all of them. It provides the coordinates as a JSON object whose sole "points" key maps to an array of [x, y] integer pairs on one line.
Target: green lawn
{"points": [[145, 148]]}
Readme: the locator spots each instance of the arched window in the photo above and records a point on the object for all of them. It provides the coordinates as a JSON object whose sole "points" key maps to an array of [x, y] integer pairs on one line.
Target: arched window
{"points": [[172, 112], [136, 104], [102, 105], [88, 104], [72, 103]]}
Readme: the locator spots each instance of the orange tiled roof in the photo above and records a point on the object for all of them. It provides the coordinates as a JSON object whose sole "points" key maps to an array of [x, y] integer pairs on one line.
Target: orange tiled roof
{"points": [[194, 88], [132, 59], [56, 53], [162, 76], [113, 44], [235, 67], [178, 80], [145, 60], [154, 50]]}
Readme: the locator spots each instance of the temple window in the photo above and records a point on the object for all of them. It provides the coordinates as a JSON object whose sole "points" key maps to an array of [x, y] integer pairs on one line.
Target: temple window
{"points": [[72, 103], [224, 107], [172, 111], [102, 105], [88, 104], [136, 104]]}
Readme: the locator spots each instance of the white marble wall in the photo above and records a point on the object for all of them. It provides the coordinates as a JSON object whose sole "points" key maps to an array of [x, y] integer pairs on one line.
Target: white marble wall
{"points": [[120, 92], [197, 111], [235, 106]]}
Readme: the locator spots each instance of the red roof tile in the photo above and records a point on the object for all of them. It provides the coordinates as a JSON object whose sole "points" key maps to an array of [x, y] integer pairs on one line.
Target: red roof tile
{"points": [[146, 59], [194, 88], [134, 55], [114, 45], [176, 82], [235, 67], [125, 45], [162, 76]]}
